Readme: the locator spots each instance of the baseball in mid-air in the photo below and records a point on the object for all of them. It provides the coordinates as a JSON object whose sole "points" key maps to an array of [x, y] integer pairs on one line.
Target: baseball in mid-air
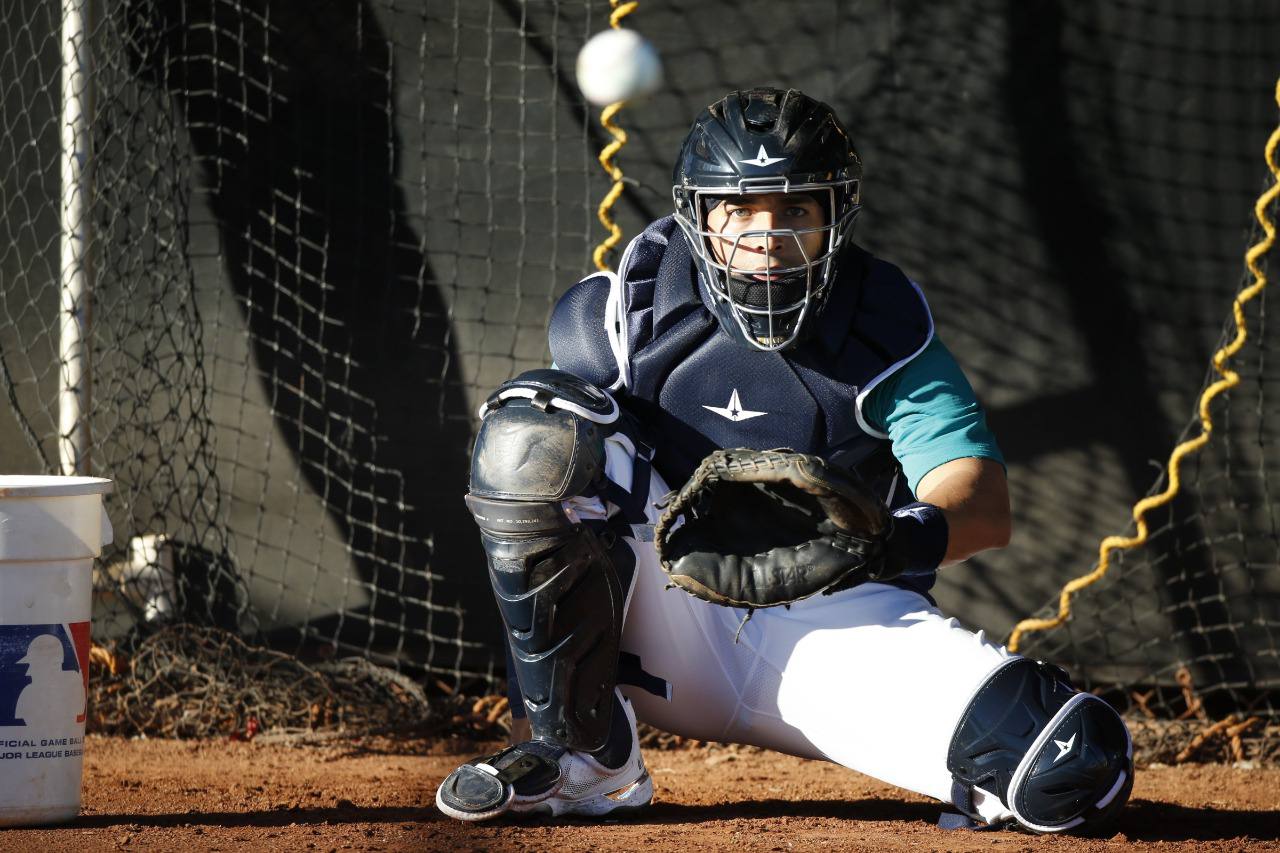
{"points": [[618, 65]]}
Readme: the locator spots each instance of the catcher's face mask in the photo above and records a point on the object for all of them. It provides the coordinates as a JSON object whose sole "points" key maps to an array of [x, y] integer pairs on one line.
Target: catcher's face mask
{"points": [[752, 144], [769, 256]]}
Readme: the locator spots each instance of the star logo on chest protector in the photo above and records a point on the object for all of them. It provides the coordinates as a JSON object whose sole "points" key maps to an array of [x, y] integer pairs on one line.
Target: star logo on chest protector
{"points": [[734, 410]]}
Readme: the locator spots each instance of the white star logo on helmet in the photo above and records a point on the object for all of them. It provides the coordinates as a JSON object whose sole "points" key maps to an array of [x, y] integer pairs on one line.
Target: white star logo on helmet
{"points": [[762, 158], [734, 410]]}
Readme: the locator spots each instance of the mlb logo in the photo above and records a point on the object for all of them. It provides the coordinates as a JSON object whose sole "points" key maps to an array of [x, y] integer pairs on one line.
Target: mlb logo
{"points": [[44, 675]]}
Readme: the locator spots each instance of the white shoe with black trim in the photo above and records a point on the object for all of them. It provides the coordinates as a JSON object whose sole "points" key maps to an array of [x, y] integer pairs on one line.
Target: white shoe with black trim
{"points": [[536, 778]]}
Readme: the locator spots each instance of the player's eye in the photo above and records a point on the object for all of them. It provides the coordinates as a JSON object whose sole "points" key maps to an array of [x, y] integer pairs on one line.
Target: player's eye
{"points": [[797, 212]]}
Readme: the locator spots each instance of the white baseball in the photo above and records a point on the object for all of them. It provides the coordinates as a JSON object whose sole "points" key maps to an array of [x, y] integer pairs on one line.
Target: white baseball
{"points": [[618, 65]]}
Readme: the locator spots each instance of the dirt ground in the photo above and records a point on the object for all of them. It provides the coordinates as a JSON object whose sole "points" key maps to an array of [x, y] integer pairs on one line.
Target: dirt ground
{"points": [[378, 795]]}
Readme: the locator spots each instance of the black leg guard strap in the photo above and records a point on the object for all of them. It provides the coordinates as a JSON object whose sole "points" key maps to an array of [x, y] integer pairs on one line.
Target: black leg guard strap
{"points": [[1058, 759]]}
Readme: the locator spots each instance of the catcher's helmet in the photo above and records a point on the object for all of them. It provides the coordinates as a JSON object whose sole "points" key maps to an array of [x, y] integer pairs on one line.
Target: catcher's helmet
{"points": [[768, 141]]}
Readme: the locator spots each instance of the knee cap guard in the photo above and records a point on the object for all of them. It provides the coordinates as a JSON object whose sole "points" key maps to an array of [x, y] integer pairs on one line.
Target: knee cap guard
{"points": [[1056, 758], [541, 440], [562, 600]]}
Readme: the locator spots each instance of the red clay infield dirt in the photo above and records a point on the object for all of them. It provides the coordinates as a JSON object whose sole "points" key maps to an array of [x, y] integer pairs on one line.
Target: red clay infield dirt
{"points": [[378, 794]]}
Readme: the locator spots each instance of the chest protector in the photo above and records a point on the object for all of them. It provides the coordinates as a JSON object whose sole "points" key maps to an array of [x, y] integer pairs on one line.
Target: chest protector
{"points": [[648, 335]]}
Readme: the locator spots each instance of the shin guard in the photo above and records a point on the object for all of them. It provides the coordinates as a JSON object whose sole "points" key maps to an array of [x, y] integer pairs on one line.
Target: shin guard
{"points": [[562, 601]]}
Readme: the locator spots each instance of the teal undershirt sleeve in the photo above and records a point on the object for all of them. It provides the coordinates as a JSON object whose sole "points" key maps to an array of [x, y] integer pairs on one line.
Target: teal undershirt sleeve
{"points": [[929, 410]]}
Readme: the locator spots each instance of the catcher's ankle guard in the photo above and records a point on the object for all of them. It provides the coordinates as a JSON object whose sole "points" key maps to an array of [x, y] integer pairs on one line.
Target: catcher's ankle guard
{"points": [[540, 443], [486, 787], [1057, 759]]}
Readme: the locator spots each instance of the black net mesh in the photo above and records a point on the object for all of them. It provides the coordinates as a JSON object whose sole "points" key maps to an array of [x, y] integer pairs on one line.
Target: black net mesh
{"points": [[322, 232], [1186, 625]]}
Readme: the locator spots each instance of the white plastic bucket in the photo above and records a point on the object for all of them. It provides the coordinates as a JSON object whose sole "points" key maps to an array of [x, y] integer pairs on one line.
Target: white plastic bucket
{"points": [[51, 529]]}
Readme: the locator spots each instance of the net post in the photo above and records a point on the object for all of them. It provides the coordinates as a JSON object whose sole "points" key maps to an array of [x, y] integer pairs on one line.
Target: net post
{"points": [[75, 273]]}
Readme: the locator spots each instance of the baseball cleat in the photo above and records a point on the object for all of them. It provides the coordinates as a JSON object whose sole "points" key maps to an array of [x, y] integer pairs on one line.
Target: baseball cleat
{"points": [[537, 778]]}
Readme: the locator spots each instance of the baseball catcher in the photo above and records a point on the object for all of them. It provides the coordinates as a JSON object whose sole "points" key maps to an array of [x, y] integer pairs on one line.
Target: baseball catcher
{"points": [[722, 512]]}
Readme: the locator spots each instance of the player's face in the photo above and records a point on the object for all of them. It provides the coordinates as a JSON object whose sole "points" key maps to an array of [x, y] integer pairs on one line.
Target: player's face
{"points": [[766, 212]]}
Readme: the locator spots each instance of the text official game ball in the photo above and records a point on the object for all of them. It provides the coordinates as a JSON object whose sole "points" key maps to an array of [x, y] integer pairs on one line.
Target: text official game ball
{"points": [[618, 65]]}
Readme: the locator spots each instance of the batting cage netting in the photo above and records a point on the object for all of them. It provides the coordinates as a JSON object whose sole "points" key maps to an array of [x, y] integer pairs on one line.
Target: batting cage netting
{"points": [[315, 235]]}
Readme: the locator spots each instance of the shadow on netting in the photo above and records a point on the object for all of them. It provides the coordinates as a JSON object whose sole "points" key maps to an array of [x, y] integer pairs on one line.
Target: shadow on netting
{"points": [[291, 125]]}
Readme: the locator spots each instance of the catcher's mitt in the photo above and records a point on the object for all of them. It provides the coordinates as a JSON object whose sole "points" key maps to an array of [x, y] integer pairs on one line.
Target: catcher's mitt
{"points": [[768, 527]]}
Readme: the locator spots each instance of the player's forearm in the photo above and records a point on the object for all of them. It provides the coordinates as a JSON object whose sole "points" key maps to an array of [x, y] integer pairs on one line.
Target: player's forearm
{"points": [[974, 496]]}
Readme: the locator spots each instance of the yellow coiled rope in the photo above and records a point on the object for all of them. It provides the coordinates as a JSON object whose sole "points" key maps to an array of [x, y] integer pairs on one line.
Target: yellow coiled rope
{"points": [[1229, 379], [620, 11]]}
